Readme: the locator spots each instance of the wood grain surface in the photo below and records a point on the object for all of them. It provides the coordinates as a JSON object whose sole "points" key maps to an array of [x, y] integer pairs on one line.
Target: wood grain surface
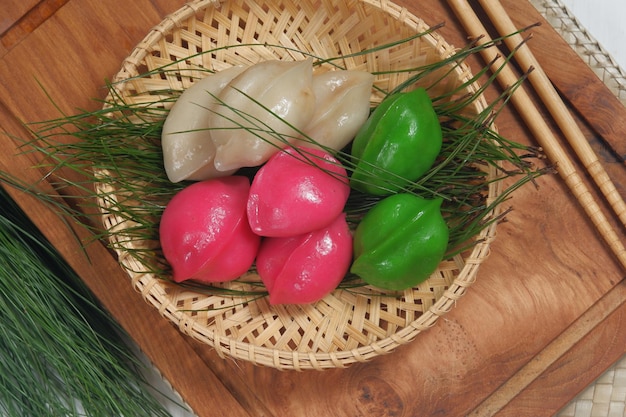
{"points": [[545, 317]]}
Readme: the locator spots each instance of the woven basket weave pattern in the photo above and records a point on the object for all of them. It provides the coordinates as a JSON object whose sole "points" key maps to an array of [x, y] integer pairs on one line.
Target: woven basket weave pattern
{"points": [[346, 326]]}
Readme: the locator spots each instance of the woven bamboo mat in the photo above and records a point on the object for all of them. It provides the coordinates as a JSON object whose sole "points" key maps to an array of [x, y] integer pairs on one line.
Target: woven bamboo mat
{"points": [[606, 397], [587, 47]]}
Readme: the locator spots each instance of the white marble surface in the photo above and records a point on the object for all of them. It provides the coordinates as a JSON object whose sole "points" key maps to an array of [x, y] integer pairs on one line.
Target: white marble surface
{"points": [[606, 22]]}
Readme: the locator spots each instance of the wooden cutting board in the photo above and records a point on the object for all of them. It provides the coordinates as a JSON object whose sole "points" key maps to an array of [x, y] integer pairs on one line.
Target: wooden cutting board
{"points": [[545, 317]]}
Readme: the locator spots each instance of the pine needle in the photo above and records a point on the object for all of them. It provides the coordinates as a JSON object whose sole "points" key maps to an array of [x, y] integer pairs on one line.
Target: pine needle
{"points": [[119, 146], [60, 353]]}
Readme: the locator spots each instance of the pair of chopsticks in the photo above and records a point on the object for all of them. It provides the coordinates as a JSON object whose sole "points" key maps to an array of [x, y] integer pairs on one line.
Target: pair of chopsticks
{"points": [[538, 126]]}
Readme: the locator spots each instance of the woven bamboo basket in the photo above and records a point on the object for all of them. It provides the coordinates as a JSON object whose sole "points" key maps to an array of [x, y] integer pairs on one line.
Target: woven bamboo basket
{"points": [[346, 326]]}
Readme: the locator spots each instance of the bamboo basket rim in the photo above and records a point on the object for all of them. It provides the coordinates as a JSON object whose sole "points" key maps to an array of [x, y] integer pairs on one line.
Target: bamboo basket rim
{"points": [[159, 293]]}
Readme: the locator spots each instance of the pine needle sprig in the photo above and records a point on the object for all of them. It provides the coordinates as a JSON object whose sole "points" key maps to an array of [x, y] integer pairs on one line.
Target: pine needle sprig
{"points": [[112, 163], [61, 354]]}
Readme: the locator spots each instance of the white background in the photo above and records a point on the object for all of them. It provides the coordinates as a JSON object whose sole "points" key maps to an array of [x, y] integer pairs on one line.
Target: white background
{"points": [[605, 20]]}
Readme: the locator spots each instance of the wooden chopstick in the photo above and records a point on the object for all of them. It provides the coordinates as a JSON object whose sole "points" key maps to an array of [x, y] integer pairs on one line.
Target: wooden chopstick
{"points": [[557, 108], [540, 129]]}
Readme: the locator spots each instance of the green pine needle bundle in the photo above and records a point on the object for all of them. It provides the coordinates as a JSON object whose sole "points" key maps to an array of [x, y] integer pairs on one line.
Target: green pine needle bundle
{"points": [[60, 353]]}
